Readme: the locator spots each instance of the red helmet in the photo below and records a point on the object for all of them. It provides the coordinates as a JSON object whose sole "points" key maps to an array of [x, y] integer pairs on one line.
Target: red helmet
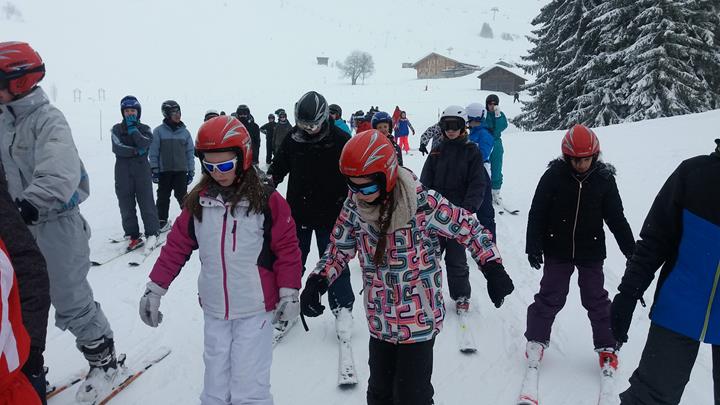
{"points": [[222, 134], [580, 141], [20, 66], [368, 153]]}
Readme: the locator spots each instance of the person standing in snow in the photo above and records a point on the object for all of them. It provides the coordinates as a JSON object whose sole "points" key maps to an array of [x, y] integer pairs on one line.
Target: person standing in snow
{"points": [[171, 160], [383, 123], [336, 116], [47, 180], [250, 265], [485, 141], [388, 200], [455, 169], [402, 131], [495, 122], [282, 129], [243, 114], [316, 189], [681, 233], [33, 285], [432, 134], [211, 113], [131, 140], [565, 226], [269, 130]]}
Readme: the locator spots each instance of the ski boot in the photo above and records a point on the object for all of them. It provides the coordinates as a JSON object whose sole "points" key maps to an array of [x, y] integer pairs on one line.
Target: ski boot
{"points": [[105, 370], [462, 305], [135, 243], [534, 352]]}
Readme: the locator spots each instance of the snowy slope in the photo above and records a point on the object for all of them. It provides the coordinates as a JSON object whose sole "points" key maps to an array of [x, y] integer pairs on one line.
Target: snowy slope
{"points": [[217, 54]]}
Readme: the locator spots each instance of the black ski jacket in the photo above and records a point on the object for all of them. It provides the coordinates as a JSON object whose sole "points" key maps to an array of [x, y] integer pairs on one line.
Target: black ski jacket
{"points": [[566, 217], [254, 131], [316, 189]]}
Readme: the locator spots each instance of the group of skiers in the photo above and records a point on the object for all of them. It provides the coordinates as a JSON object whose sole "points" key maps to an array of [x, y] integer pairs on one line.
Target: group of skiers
{"points": [[357, 198]]}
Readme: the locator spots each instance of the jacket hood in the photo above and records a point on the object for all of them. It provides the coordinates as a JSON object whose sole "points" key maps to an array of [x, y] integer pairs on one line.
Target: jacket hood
{"points": [[604, 168], [25, 106]]}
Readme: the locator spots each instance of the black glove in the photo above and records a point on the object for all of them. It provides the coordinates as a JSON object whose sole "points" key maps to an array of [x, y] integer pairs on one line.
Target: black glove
{"points": [[155, 176], [423, 149], [190, 176], [34, 365], [535, 260], [28, 212], [499, 284], [621, 312], [315, 287]]}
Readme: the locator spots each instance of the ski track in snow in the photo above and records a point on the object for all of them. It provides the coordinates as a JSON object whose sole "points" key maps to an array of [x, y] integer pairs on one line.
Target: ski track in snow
{"points": [[304, 369]]}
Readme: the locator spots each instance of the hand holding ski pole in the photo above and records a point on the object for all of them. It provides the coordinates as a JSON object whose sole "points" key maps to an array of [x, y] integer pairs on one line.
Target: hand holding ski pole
{"points": [[150, 304]]}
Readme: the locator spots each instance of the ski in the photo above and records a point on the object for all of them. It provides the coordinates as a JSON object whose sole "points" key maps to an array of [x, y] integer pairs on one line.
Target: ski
{"points": [[280, 333], [466, 340], [502, 209], [607, 385], [131, 376], [145, 255], [529, 390], [109, 259], [52, 390], [347, 377]]}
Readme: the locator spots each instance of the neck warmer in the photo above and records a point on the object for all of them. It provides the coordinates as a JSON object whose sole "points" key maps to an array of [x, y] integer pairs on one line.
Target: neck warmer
{"points": [[404, 208]]}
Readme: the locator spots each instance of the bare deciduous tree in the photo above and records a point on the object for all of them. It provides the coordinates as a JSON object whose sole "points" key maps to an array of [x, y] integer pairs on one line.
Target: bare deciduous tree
{"points": [[357, 65]]}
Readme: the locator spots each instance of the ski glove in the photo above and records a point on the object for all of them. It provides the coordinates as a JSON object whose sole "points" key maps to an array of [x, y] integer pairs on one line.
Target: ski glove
{"points": [[621, 312], [155, 176], [131, 123], [315, 287], [34, 365], [190, 176], [499, 284], [535, 260], [423, 149], [288, 308], [28, 212], [150, 305]]}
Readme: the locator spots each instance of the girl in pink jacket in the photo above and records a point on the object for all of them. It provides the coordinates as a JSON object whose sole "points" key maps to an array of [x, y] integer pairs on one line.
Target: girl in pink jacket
{"points": [[250, 265]]}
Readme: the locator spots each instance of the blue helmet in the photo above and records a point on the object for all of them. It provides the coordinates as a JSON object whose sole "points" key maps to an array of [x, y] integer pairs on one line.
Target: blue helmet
{"points": [[130, 102], [381, 116]]}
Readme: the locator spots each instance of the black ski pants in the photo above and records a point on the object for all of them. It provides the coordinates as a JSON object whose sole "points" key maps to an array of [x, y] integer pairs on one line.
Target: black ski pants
{"points": [[133, 182], [458, 272], [170, 182], [400, 373], [268, 147], [665, 367]]}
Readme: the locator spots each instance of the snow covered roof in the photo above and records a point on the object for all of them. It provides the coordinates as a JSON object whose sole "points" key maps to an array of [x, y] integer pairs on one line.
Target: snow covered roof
{"points": [[514, 70]]}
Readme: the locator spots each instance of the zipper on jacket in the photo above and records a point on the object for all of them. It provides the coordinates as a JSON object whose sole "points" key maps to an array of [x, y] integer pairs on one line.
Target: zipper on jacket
{"points": [[222, 259], [234, 233], [577, 212], [710, 303]]}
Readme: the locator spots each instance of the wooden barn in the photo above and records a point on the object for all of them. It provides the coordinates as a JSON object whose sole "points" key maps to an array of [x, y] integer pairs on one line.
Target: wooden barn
{"points": [[500, 77], [435, 66]]}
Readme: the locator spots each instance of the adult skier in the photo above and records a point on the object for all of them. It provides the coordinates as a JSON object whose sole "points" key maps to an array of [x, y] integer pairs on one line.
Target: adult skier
{"points": [[171, 160], [565, 227], [336, 116], [48, 181], [243, 114], [681, 235], [389, 220], [131, 141], [269, 130], [282, 129]]}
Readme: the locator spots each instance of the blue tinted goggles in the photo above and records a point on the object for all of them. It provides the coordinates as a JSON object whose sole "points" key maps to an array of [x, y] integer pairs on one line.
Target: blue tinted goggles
{"points": [[364, 189], [222, 167]]}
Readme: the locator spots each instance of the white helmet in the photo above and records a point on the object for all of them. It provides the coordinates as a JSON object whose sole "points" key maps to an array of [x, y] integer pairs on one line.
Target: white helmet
{"points": [[475, 111], [455, 111]]}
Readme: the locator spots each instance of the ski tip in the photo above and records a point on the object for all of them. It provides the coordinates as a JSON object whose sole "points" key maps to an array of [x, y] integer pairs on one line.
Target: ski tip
{"points": [[346, 386], [94, 263], [468, 350], [134, 264]]}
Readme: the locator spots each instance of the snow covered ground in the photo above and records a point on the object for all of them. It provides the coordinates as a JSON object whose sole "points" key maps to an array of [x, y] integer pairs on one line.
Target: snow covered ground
{"points": [[217, 54]]}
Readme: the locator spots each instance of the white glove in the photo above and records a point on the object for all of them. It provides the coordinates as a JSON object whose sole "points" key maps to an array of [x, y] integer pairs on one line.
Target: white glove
{"points": [[150, 304], [497, 111], [288, 308]]}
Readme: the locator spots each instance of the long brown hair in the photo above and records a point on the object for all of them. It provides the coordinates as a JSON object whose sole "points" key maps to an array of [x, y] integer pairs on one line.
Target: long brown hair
{"points": [[248, 186], [380, 256]]}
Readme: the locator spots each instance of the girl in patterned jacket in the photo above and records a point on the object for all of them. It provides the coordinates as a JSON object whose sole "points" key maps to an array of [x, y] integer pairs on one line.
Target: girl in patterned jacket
{"points": [[250, 265], [401, 270]]}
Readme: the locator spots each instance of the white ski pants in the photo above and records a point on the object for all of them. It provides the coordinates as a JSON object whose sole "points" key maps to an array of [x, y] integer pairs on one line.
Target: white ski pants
{"points": [[238, 355]]}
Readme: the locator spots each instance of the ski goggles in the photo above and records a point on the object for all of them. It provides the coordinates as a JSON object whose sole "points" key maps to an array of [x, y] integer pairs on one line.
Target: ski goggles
{"points": [[309, 127], [222, 167], [452, 125], [364, 189]]}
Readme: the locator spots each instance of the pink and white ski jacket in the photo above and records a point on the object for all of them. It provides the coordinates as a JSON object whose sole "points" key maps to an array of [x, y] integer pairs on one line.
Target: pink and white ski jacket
{"points": [[403, 299], [241, 271]]}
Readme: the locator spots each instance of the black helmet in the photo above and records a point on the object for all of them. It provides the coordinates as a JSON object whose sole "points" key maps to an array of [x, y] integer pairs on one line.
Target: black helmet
{"points": [[169, 107], [492, 98], [335, 109], [311, 111], [242, 110]]}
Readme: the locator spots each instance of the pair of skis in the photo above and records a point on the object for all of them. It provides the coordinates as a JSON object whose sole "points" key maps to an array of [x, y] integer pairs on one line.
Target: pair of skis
{"points": [[529, 391], [125, 377], [140, 256]]}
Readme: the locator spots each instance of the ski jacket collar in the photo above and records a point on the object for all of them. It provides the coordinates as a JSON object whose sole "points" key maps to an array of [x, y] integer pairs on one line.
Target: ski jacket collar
{"points": [[25, 106]]}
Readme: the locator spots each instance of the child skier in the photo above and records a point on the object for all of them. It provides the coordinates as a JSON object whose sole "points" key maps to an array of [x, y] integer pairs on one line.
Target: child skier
{"points": [[383, 123], [250, 265], [565, 225], [402, 130], [485, 141], [133, 177], [402, 275], [455, 169]]}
